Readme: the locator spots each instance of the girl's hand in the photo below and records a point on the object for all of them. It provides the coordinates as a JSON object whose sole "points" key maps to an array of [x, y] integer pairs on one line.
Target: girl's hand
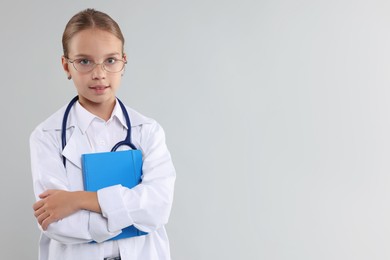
{"points": [[58, 204], [54, 206]]}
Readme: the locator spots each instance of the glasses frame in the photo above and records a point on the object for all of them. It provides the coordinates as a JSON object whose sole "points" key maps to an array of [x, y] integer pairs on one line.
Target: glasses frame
{"points": [[95, 64]]}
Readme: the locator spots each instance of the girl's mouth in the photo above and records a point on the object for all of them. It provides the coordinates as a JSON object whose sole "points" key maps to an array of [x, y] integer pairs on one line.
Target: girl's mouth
{"points": [[99, 89]]}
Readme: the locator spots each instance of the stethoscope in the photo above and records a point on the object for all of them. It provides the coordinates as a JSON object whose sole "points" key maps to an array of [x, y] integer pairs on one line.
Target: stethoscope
{"points": [[126, 142]]}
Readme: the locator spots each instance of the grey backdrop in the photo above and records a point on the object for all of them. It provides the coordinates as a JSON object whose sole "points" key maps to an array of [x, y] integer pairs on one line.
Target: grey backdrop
{"points": [[276, 114]]}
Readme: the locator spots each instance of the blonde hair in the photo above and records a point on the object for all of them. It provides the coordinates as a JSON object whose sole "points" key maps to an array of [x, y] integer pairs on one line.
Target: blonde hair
{"points": [[89, 19]]}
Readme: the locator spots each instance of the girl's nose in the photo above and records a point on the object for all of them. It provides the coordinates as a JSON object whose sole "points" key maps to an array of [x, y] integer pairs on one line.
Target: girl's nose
{"points": [[98, 72]]}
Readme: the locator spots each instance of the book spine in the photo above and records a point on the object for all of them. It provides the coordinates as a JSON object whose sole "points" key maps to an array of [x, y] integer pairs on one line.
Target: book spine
{"points": [[84, 170]]}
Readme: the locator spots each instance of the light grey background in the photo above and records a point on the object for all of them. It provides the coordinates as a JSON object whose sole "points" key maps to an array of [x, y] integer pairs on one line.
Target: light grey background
{"points": [[276, 114]]}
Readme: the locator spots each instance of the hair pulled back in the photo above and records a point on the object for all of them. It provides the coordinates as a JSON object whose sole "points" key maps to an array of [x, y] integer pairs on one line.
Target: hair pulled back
{"points": [[90, 19]]}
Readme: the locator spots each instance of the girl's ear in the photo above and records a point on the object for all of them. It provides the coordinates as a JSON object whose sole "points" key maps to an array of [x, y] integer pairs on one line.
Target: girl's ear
{"points": [[65, 66], [125, 57]]}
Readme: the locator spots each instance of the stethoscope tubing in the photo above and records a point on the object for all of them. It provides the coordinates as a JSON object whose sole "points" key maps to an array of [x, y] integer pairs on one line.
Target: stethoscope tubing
{"points": [[126, 142]]}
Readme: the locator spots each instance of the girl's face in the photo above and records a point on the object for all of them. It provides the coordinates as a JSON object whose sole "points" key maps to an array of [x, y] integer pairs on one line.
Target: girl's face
{"points": [[96, 87]]}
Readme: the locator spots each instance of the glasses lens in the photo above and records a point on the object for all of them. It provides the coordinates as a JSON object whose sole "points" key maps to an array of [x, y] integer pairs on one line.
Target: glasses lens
{"points": [[113, 65], [83, 65]]}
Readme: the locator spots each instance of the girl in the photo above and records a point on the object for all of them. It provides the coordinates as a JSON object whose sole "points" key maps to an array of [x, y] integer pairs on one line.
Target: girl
{"points": [[78, 224]]}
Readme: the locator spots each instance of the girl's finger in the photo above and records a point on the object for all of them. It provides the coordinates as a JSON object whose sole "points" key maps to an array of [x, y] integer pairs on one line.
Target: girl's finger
{"points": [[44, 194], [37, 205], [41, 218]]}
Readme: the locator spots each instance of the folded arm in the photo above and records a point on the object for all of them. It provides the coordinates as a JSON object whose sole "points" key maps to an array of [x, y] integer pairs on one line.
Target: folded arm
{"points": [[63, 210], [55, 205]]}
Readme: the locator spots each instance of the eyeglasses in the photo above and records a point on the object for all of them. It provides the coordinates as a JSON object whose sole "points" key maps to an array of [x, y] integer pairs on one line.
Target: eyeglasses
{"points": [[110, 65]]}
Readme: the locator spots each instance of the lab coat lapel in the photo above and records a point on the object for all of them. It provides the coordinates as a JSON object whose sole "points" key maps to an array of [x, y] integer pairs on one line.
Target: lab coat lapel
{"points": [[76, 146]]}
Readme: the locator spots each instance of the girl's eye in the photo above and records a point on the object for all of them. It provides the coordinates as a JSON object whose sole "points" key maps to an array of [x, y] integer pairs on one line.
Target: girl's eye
{"points": [[110, 61], [84, 62]]}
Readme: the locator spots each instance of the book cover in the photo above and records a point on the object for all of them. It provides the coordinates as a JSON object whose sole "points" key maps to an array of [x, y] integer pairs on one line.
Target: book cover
{"points": [[106, 169]]}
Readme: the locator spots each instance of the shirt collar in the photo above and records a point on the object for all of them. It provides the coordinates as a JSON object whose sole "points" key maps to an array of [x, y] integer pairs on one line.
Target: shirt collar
{"points": [[118, 113], [54, 122], [85, 118]]}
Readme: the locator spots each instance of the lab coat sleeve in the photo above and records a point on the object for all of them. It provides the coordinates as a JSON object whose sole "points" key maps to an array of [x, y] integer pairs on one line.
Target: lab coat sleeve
{"points": [[146, 206], [48, 172]]}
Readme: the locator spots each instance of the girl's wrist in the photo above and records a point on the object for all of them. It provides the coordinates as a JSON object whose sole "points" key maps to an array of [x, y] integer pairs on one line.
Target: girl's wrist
{"points": [[87, 200]]}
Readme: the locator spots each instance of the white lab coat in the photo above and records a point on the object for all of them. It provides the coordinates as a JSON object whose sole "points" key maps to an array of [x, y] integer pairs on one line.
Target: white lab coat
{"points": [[147, 206]]}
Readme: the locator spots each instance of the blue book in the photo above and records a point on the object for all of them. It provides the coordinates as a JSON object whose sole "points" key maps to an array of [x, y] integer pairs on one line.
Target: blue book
{"points": [[102, 170]]}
